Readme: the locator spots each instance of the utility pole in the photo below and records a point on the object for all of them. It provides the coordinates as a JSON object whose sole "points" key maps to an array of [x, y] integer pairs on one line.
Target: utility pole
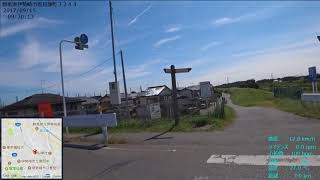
{"points": [[42, 83], [112, 37], [125, 84]]}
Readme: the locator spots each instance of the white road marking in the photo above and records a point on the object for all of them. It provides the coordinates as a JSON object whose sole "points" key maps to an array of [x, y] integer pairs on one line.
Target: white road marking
{"points": [[134, 149], [201, 178], [264, 160]]}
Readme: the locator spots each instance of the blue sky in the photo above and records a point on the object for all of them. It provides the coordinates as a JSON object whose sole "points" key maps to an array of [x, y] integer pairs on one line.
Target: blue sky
{"points": [[239, 40]]}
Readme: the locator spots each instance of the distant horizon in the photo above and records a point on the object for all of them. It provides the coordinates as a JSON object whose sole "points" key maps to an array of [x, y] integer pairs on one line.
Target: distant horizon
{"points": [[105, 93], [218, 40]]}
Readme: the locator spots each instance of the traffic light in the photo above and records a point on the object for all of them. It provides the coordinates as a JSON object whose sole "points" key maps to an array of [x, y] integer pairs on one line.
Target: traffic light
{"points": [[78, 43], [81, 42]]}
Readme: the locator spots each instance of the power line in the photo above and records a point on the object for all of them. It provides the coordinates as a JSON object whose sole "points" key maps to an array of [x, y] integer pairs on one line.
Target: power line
{"points": [[68, 80], [95, 67]]}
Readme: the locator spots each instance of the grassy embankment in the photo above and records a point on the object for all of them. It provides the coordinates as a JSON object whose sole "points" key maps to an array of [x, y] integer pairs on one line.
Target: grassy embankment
{"points": [[187, 124], [258, 97]]}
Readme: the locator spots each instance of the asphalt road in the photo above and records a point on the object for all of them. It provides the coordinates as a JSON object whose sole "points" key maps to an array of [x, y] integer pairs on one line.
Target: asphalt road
{"points": [[183, 156]]}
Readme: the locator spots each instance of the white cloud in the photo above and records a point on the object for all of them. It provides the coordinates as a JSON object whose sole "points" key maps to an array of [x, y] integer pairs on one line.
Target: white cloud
{"points": [[101, 40], [284, 63], [210, 45], [166, 40], [18, 27], [142, 70], [195, 62], [135, 19], [34, 54], [173, 28], [286, 47], [251, 16], [229, 20], [224, 20], [14, 76], [131, 39]]}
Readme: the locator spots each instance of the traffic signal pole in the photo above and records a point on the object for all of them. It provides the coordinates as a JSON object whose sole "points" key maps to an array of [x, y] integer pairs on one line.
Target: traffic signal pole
{"points": [[62, 82], [80, 46]]}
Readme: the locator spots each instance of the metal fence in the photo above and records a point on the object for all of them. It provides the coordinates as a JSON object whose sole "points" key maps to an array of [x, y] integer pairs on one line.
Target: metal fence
{"points": [[288, 92]]}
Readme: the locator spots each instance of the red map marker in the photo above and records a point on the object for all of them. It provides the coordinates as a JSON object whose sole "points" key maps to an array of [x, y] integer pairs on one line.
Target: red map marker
{"points": [[34, 151]]}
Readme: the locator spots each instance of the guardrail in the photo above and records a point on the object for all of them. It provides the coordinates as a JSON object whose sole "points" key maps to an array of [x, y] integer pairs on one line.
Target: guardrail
{"points": [[92, 120]]}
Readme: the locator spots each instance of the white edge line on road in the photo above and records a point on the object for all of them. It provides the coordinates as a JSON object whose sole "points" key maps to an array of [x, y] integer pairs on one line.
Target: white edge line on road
{"points": [[265, 160], [134, 149]]}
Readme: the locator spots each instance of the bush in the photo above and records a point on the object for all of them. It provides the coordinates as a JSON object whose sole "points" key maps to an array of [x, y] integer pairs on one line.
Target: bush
{"points": [[200, 121], [219, 109]]}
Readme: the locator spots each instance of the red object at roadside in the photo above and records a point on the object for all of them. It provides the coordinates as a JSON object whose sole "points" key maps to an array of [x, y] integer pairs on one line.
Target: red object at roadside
{"points": [[34, 151], [45, 109]]}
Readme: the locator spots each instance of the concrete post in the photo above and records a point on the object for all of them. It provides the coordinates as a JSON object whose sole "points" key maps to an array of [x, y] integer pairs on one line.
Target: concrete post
{"points": [[105, 134]]}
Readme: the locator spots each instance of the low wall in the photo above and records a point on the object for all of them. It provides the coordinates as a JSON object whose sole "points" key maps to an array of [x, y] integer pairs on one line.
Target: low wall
{"points": [[310, 97]]}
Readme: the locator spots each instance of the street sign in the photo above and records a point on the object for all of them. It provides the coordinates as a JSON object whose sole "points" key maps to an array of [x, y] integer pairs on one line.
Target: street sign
{"points": [[180, 70], [312, 74], [173, 72], [83, 39]]}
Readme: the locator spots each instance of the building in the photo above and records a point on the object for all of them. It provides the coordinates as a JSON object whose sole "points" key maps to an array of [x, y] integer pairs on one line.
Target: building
{"points": [[28, 107], [105, 104], [154, 102], [188, 98], [90, 105], [190, 91], [154, 94], [206, 89]]}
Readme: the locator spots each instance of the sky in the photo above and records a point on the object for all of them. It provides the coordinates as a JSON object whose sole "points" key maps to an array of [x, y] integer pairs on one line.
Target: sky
{"points": [[218, 40]]}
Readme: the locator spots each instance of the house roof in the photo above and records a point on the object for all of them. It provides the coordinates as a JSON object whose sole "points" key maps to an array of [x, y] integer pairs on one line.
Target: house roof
{"points": [[88, 100], [130, 95], [154, 91], [35, 99], [96, 97], [193, 88]]}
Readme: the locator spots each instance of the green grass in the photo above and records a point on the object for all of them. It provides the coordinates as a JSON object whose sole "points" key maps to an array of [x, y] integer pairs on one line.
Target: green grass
{"points": [[187, 124], [258, 97], [229, 118], [251, 97], [304, 84]]}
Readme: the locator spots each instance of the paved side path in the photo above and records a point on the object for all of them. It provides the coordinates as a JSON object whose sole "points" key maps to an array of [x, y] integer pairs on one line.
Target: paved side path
{"points": [[185, 155]]}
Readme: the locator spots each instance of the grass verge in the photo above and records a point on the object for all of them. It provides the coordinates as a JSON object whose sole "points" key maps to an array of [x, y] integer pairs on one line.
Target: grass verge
{"points": [[258, 97], [187, 124]]}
